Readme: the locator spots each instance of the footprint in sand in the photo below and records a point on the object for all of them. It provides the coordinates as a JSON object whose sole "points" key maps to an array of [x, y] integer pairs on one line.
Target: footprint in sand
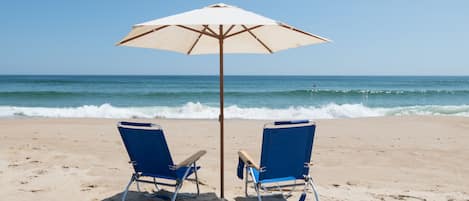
{"points": [[351, 183], [32, 190], [36, 190], [406, 197], [40, 172], [32, 177], [88, 187]]}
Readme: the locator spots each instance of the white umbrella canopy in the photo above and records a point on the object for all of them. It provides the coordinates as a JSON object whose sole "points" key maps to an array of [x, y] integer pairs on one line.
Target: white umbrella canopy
{"points": [[218, 29], [198, 32]]}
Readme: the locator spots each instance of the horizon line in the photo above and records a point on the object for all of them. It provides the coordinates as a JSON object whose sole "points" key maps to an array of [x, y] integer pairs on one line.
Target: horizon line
{"points": [[297, 75]]}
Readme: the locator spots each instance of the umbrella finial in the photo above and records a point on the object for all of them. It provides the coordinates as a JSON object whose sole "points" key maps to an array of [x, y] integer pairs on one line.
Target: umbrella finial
{"points": [[219, 5]]}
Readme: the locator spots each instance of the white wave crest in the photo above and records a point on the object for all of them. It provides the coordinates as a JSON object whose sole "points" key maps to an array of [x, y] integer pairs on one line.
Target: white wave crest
{"points": [[200, 111]]}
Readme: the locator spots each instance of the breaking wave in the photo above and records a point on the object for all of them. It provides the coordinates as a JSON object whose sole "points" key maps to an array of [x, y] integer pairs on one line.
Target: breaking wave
{"points": [[200, 111]]}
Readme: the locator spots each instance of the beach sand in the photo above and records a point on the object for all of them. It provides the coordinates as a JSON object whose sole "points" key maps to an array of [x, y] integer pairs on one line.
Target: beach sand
{"points": [[385, 158]]}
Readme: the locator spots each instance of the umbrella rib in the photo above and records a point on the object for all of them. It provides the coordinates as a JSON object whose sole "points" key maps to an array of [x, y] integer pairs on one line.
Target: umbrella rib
{"points": [[142, 34], [258, 40], [211, 31], [228, 31], [306, 33], [242, 31], [196, 41], [195, 30]]}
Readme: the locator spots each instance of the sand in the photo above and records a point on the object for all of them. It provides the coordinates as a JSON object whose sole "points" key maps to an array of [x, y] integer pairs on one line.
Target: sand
{"points": [[386, 158]]}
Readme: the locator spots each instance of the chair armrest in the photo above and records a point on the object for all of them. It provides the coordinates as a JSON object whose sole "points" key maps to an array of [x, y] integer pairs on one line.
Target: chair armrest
{"points": [[190, 160], [248, 159]]}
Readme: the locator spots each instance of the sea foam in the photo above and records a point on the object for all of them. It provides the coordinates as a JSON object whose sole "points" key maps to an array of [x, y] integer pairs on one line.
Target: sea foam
{"points": [[200, 111]]}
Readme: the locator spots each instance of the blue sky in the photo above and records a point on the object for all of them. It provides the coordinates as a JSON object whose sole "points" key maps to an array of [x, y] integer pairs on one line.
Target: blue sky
{"points": [[400, 37]]}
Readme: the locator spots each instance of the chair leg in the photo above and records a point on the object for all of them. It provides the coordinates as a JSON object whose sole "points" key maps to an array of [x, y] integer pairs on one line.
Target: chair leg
{"points": [[196, 179], [178, 187], [138, 186], [289, 194], [179, 184], [281, 191], [258, 190], [285, 195], [246, 182], [132, 179], [156, 185], [257, 186], [316, 195], [264, 188], [305, 190]]}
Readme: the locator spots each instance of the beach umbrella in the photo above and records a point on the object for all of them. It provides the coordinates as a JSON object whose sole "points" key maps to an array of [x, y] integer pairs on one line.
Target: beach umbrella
{"points": [[218, 29]]}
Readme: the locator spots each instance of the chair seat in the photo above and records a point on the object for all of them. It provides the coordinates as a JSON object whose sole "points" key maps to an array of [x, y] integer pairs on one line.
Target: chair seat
{"points": [[179, 173], [273, 180]]}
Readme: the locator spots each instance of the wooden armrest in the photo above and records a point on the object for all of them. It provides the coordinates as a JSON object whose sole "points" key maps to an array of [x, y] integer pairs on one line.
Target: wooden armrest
{"points": [[190, 160], [247, 159]]}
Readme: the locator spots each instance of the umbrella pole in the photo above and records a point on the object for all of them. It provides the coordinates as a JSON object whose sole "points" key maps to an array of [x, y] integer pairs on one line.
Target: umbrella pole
{"points": [[221, 117]]}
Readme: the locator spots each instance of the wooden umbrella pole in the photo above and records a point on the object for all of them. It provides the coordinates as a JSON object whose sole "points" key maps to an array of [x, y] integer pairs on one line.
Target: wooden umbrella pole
{"points": [[221, 117]]}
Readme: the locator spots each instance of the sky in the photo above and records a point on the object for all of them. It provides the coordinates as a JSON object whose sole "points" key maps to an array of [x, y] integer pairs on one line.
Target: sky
{"points": [[399, 37]]}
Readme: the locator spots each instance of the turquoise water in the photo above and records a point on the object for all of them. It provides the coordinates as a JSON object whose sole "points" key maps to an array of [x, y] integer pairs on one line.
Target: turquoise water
{"points": [[258, 97]]}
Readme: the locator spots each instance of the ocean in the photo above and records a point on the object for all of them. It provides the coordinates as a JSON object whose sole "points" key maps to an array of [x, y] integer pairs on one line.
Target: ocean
{"points": [[246, 97]]}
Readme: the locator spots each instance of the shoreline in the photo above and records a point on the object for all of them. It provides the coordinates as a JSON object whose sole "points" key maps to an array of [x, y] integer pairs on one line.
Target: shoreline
{"points": [[372, 158]]}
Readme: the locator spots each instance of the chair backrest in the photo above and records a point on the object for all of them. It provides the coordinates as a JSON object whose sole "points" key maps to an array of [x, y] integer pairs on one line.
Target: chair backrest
{"points": [[147, 148], [286, 148]]}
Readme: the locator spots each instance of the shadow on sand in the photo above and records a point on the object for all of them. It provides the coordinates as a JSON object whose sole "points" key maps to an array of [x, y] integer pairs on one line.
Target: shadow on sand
{"points": [[162, 196], [264, 198], [166, 195]]}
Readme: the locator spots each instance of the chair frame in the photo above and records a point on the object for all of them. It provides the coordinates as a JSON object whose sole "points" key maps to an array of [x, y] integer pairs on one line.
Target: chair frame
{"points": [[191, 162], [250, 166]]}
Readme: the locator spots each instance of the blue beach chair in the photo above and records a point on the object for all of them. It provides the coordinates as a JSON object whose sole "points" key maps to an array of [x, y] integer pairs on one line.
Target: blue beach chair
{"points": [[150, 157], [285, 158]]}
